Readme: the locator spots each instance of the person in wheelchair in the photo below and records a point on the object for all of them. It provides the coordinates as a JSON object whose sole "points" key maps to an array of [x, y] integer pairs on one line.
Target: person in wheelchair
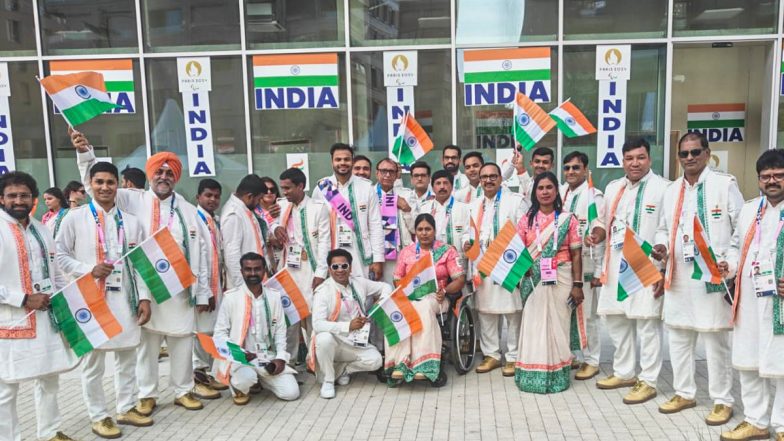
{"points": [[419, 357]]}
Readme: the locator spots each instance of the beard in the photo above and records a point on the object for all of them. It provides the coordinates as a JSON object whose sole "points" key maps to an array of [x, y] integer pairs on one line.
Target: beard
{"points": [[451, 168], [253, 280], [18, 213]]}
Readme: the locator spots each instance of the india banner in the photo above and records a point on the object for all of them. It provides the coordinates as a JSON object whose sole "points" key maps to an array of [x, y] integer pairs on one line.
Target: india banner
{"points": [[493, 76], [396, 317], [507, 259], [412, 142], [83, 316], [571, 121], [222, 349], [295, 307], [420, 280], [718, 122], [531, 122], [80, 96], [637, 271], [162, 266], [705, 267], [296, 81], [117, 75]]}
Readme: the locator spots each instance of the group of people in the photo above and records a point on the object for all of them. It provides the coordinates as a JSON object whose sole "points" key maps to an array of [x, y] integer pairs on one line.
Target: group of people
{"points": [[348, 243]]}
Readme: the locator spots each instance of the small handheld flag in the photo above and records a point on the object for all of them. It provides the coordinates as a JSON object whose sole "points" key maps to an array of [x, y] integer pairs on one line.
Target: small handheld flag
{"points": [[396, 317], [295, 307], [162, 266], [507, 259], [79, 96], [571, 121], [705, 266], [412, 142], [221, 349], [637, 271], [531, 122], [420, 280]]}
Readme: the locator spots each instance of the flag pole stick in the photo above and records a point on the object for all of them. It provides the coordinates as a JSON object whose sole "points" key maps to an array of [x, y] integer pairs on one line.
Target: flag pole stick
{"points": [[22, 320], [70, 126]]}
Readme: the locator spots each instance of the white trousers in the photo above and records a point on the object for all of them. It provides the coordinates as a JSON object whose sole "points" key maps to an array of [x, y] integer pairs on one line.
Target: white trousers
{"points": [[755, 394], [350, 359], [623, 332], [201, 359], [180, 364], [591, 353], [283, 385], [293, 336], [93, 368], [490, 334], [47, 412], [718, 351]]}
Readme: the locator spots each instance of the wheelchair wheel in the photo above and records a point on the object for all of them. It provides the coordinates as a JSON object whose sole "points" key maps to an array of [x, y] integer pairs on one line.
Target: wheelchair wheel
{"points": [[441, 380], [463, 343]]}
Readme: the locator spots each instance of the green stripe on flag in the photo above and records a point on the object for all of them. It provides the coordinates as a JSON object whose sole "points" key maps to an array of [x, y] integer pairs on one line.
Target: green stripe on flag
{"points": [[593, 213], [237, 353], [717, 124], [119, 86], [86, 110], [517, 271], [68, 325], [404, 154], [386, 325], [149, 275], [622, 295], [299, 81], [565, 128], [522, 137], [506, 76], [422, 290], [697, 273]]}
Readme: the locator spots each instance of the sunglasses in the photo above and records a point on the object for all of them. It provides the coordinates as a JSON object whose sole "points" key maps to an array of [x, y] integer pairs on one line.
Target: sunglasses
{"points": [[571, 167], [339, 266], [268, 190], [683, 154]]}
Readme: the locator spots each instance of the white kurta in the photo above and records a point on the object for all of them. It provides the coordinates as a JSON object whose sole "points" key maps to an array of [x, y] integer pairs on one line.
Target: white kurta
{"points": [[368, 217], [492, 298], [77, 248], [460, 216], [459, 182], [325, 301], [469, 193], [687, 304], [33, 348], [641, 304], [241, 234], [576, 202], [205, 321]]}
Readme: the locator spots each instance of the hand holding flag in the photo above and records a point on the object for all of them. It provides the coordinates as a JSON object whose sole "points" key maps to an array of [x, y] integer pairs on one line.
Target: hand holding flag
{"points": [[396, 317], [507, 259], [636, 269]]}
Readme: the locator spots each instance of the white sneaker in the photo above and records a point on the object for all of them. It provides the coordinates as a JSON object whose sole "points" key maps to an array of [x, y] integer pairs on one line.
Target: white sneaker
{"points": [[328, 390], [344, 380]]}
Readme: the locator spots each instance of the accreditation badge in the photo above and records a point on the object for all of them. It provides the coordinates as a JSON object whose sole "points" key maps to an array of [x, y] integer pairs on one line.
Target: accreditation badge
{"points": [[763, 279], [548, 271], [114, 280], [43, 286], [345, 236], [617, 236], [294, 256]]}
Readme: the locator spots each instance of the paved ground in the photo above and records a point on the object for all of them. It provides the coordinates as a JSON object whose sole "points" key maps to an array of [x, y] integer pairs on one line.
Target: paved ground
{"points": [[470, 407]]}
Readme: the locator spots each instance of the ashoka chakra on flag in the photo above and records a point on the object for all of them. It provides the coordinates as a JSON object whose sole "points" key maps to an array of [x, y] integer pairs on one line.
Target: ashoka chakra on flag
{"points": [[396, 316], [162, 265], [510, 256]]}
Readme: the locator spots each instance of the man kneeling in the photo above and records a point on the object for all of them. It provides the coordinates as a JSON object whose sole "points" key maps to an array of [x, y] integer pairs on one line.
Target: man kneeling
{"points": [[341, 325], [252, 316]]}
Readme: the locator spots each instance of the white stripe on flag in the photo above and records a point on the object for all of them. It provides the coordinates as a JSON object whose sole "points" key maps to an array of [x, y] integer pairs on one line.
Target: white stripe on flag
{"points": [[502, 267], [516, 64], [170, 279], [283, 70], [391, 310], [68, 97], [708, 116], [92, 329]]}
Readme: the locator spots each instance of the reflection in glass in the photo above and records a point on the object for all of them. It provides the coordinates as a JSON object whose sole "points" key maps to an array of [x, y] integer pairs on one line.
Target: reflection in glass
{"points": [[16, 20], [294, 23], [378, 22], [724, 17], [171, 25], [505, 21], [588, 19], [27, 124], [78, 26]]}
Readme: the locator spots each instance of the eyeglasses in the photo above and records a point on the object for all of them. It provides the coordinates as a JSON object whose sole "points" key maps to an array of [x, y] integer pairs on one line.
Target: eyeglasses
{"points": [[419, 176], [268, 190], [339, 266], [778, 177], [491, 178], [20, 196], [572, 167], [382, 171], [683, 154]]}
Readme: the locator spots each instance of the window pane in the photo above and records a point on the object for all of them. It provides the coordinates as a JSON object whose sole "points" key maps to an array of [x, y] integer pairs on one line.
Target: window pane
{"points": [[27, 122], [490, 126], [88, 26], [294, 23], [17, 33], [227, 118], [312, 131], [432, 97], [119, 136], [726, 17], [644, 103], [615, 19], [506, 21], [193, 25], [384, 22]]}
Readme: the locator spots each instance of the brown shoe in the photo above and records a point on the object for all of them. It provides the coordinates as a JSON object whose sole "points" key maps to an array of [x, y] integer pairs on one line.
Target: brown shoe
{"points": [[189, 402], [240, 399], [613, 382], [146, 406], [396, 375], [779, 436], [586, 372], [217, 385], [60, 436], [746, 431], [163, 353], [487, 365], [509, 369], [719, 416], [106, 429], [134, 418], [420, 376], [677, 404], [640, 393], [205, 392]]}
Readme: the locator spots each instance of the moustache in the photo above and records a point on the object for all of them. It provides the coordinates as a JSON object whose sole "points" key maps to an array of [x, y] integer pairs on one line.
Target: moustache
{"points": [[773, 186], [253, 280]]}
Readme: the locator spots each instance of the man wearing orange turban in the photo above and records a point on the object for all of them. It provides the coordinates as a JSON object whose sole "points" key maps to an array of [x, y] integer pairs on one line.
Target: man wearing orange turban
{"points": [[163, 160]]}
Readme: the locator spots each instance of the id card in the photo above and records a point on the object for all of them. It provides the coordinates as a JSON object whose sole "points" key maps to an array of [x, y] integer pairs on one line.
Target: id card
{"points": [[618, 236], [549, 274], [762, 278], [294, 256], [114, 280], [359, 337], [688, 248], [345, 234], [43, 286]]}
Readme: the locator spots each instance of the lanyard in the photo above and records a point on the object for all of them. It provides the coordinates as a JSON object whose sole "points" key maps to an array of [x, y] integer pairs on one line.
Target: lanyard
{"points": [[171, 211], [100, 227], [758, 224], [210, 226], [303, 217], [448, 217], [366, 260], [356, 299], [495, 212], [538, 232], [255, 320], [42, 248]]}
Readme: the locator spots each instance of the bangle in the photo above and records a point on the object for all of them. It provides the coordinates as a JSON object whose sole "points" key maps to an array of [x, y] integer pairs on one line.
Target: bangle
{"points": [[577, 284]]}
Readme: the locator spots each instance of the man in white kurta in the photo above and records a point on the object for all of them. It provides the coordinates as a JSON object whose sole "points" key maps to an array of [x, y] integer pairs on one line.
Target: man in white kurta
{"points": [[420, 181], [306, 222], [172, 320], [403, 222], [490, 213], [453, 218], [758, 335], [450, 161], [242, 230], [339, 312], [695, 308], [542, 160], [577, 196], [30, 345], [92, 239], [472, 163], [365, 239], [252, 317], [634, 201]]}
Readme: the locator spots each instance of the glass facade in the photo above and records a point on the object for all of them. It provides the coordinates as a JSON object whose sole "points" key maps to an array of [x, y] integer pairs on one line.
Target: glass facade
{"points": [[145, 38]]}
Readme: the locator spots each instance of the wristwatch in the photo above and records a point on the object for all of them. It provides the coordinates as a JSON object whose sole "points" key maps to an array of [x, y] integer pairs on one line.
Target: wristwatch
{"points": [[577, 284]]}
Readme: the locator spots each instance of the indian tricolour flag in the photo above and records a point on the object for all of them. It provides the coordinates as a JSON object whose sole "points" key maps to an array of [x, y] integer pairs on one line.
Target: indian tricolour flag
{"points": [[506, 259], [716, 116], [117, 75], [636, 271], [420, 280], [295, 307], [593, 212], [571, 121], [412, 142], [222, 349], [310, 73], [162, 266], [531, 122], [83, 316], [513, 65], [79, 96], [396, 317], [705, 267]]}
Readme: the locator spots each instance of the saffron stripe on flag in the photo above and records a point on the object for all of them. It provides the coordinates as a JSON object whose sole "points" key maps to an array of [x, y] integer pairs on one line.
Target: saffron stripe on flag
{"points": [[506, 54], [169, 247], [411, 316], [91, 65], [293, 59]]}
